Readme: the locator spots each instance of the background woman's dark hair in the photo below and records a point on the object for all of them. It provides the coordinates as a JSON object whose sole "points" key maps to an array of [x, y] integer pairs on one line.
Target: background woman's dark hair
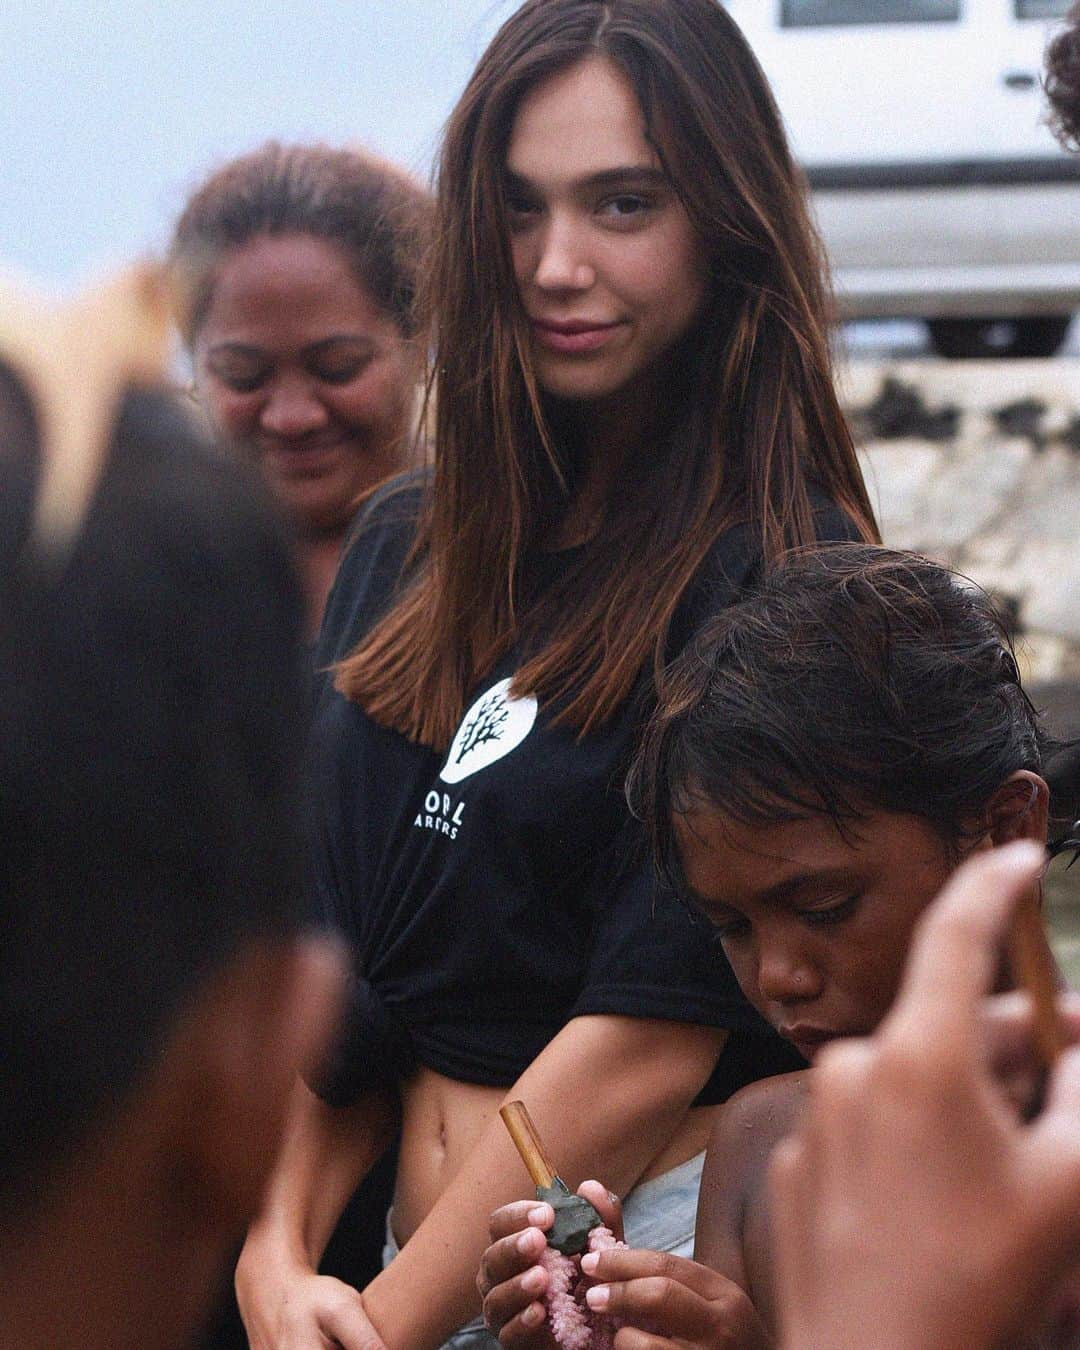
{"points": [[851, 679], [151, 734], [754, 415], [1062, 82], [371, 210]]}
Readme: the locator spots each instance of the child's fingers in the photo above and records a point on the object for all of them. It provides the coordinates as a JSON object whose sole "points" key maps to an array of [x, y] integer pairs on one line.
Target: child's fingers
{"points": [[1008, 1021], [954, 954], [527, 1331], [622, 1264], [668, 1307], [607, 1205], [519, 1215], [1056, 1136], [509, 1259]]}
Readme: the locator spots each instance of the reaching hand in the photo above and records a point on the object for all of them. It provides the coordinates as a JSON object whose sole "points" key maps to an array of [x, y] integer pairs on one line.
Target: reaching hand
{"points": [[915, 1208]]}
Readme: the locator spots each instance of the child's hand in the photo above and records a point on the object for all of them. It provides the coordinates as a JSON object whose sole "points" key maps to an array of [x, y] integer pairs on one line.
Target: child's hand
{"points": [[669, 1301], [510, 1282], [914, 1207]]}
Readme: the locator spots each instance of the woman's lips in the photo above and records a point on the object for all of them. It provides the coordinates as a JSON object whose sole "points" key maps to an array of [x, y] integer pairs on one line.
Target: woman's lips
{"points": [[305, 457], [576, 336]]}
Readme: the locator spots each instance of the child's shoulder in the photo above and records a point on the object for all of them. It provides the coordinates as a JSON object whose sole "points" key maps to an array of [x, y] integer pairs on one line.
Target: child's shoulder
{"points": [[748, 1127], [750, 1124]]}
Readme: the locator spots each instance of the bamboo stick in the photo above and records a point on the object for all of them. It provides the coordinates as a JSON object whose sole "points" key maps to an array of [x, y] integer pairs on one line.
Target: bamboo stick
{"points": [[523, 1132]]}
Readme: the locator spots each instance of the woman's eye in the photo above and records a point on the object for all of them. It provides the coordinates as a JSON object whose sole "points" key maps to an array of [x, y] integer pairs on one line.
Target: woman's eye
{"points": [[340, 372], [835, 911], [625, 207], [241, 381], [518, 207]]}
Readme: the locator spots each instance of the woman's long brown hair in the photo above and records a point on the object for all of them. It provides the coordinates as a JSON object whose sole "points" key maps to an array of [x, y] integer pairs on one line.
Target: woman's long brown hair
{"points": [[756, 420]]}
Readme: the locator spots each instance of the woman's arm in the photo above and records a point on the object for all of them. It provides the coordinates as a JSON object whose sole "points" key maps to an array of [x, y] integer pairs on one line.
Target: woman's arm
{"points": [[607, 1094], [325, 1153]]}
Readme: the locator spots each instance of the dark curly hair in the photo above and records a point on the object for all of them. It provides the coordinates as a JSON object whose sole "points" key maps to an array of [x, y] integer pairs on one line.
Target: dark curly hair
{"points": [[852, 679], [1062, 82], [374, 212]]}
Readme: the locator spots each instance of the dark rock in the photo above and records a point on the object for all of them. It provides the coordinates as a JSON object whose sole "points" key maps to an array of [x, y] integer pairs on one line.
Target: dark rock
{"points": [[899, 411], [1023, 418]]}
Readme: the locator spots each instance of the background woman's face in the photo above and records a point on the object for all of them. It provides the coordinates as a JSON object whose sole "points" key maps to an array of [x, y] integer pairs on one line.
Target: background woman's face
{"points": [[610, 270], [298, 367]]}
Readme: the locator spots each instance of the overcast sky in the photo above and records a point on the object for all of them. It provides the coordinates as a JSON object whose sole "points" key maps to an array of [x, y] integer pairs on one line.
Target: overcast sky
{"points": [[110, 113]]}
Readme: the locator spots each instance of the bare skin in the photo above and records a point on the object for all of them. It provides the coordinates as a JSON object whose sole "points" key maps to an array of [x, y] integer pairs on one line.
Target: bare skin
{"points": [[444, 1120], [733, 1233]]}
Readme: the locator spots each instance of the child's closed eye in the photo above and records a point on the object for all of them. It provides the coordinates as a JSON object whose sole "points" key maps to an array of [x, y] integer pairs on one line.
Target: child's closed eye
{"points": [[832, 911], [729, 929]]}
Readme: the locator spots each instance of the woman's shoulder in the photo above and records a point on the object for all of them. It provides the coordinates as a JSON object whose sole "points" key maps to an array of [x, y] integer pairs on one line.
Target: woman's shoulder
{"points": [[734, 562], [737, 549], [372, 564], [387, 515], [832, 523]]}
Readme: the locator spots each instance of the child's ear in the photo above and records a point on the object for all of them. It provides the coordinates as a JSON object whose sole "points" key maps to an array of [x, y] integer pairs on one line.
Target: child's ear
{"points": [[1018, 809], [231, 1069]]}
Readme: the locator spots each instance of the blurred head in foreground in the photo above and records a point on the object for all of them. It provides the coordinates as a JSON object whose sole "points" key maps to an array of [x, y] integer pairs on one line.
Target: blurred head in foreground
{"points": [[156, 994]]}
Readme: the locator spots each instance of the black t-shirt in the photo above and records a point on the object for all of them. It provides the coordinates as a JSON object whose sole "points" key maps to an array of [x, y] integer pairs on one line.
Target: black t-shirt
{"points": [[492, 893]]}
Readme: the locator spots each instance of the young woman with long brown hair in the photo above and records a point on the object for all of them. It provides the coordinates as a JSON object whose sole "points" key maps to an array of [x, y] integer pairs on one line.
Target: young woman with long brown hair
{"points": [[635, 409]]}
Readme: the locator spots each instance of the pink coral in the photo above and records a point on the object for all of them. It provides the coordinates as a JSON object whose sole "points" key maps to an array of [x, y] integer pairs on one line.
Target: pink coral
{"points": [[573, 1323]]}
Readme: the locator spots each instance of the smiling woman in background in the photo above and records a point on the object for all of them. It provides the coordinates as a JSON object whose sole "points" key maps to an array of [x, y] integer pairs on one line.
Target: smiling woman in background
{"points": [[297, 265]]}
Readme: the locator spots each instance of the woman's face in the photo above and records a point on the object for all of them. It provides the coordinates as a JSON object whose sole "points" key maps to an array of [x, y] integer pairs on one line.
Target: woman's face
{"points": [[610, 270], [300, 369], [815, 926]]}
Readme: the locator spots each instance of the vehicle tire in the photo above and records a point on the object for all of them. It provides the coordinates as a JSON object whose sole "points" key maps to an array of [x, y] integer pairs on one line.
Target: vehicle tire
{"points": [[1038, 336]]}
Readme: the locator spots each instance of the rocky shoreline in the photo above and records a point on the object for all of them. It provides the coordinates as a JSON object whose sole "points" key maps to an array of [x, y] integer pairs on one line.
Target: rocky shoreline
{"points": [[978, 463]]}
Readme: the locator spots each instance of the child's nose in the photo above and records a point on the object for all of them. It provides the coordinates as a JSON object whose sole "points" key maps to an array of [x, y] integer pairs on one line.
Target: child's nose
{"points": [[784, 976]]}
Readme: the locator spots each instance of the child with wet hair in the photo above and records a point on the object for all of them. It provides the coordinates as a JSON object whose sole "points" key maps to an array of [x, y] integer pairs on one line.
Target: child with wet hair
{"points": [[822, 759]]}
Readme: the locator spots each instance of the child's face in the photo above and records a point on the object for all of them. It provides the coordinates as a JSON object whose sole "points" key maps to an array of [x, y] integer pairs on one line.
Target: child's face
{"points": [[816, 926]]}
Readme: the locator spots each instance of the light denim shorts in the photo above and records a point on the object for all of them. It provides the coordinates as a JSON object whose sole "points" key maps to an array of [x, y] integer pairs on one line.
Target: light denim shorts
{"points": [[659, 1215]]}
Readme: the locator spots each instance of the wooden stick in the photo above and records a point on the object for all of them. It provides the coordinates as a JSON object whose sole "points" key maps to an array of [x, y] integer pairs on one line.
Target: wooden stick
{"points": [[1034, 971], [523, 1132]]}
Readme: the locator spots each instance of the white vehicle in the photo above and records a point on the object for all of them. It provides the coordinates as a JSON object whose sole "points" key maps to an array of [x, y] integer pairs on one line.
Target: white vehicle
{"points": [[939, 189]]}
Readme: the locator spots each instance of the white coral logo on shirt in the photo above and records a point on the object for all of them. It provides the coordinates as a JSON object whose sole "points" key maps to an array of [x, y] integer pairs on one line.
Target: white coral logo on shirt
{"points": [[493, 726]]}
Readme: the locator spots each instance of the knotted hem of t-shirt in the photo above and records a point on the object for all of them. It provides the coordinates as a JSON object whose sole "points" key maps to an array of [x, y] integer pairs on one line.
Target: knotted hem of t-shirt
{"points": [[372, 1048]]}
